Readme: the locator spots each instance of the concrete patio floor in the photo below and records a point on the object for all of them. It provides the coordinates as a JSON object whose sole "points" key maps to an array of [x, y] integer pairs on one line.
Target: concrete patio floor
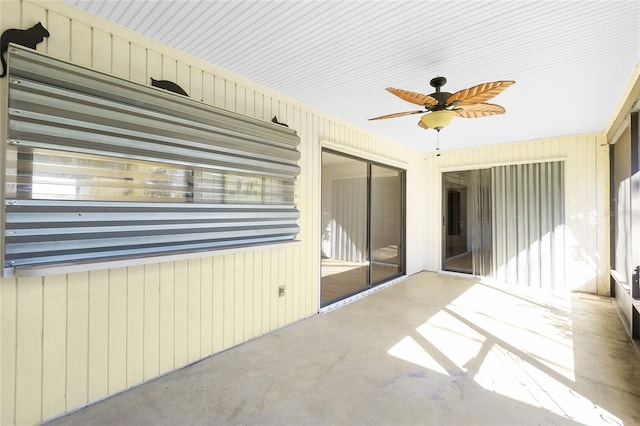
{"points": [[432, 349]]}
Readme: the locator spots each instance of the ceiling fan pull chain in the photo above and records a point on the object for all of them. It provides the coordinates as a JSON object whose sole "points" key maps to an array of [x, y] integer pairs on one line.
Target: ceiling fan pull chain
{"points": [[438, 144]]}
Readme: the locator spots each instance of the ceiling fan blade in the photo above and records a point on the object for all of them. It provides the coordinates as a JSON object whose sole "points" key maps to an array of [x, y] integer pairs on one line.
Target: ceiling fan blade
{"points": [[479, 110], [480, 93], [397, 114], [421, 124], [414, 97]]}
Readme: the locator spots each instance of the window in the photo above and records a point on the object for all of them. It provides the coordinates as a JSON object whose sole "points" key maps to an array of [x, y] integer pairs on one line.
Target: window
{"points": [[38, 174], [99, 168]]}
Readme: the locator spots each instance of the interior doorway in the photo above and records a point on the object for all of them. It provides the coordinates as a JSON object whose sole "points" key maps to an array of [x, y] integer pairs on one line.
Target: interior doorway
{"points": [[363, 222]]}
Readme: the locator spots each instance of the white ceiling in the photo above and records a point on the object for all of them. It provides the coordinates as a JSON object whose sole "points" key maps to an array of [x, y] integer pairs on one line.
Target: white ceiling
{"points": [[571, 60]]}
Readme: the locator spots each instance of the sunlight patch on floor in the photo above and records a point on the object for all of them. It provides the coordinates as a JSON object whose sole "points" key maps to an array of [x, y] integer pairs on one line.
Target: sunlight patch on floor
{"points": [[409, 350], [454, 339], [507, 374], [526, 319], [515, 342]]}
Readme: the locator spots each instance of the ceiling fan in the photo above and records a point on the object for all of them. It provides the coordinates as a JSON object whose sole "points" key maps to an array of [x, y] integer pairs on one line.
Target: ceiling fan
{"points": [[441, 107]]}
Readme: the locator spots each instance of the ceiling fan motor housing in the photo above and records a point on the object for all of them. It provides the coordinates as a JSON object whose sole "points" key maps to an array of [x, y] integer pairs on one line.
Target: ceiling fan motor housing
{"points": [[441, 97]]}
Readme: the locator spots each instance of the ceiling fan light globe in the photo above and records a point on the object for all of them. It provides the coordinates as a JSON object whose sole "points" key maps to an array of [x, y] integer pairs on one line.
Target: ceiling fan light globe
{"points": [[438, 119]]}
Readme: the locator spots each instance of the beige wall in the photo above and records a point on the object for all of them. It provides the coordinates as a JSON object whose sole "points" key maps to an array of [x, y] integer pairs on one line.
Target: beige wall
{"points": [[586, 199], [71, 339]]}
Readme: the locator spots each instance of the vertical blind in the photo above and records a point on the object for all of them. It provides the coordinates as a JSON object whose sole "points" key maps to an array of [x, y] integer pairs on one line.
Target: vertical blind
{"points": [[98, 167], [528, 224], [349, 222], [480, 212]]}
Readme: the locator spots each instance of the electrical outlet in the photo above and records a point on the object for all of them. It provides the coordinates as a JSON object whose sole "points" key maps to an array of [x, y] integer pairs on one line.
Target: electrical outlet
{"points": [[281, 291]]}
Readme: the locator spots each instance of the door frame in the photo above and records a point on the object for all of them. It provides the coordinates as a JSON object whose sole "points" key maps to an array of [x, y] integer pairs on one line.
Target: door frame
{"points": [[403, 216]]}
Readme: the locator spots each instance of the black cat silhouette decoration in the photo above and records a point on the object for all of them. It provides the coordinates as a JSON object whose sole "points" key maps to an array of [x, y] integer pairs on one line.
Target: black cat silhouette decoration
{"points": [[27, 38], [168, 85], [275, 120]]}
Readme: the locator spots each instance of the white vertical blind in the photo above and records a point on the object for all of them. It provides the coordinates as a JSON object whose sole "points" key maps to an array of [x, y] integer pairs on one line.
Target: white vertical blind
{"points": [[349, 222], [480, 212], [528, 224]]}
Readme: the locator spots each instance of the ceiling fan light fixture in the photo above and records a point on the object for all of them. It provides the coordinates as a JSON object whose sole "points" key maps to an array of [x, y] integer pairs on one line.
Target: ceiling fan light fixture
{"points": [[438, 119]]}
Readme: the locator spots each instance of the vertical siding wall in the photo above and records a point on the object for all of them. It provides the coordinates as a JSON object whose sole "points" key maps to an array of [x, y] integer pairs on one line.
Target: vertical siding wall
{"points": [[586, 199], [68, 340]]}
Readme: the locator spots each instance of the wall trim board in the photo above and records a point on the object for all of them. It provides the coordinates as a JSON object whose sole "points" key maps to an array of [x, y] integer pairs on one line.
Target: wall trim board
{"points": [[511, 145], [500, 163], [628, 100], [376, 158], [620, 130]]}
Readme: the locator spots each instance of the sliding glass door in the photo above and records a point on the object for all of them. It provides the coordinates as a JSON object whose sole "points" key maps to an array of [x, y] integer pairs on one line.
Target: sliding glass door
{"points": [[467, 222], [386, 222], [362, 225], [506, 222], [345, 254]]}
